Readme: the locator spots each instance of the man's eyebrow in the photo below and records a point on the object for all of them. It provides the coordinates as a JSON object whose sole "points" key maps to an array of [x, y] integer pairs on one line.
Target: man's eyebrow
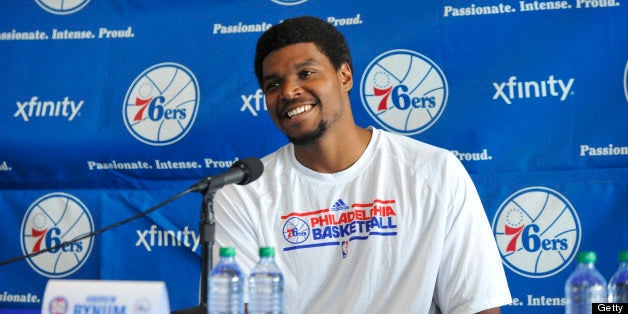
{"points": [[305, 63], [272, 76], [269, 77]]}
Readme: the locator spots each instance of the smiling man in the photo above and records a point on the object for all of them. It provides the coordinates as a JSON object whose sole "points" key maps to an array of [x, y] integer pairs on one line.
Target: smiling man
{"points": [[364, 221]]}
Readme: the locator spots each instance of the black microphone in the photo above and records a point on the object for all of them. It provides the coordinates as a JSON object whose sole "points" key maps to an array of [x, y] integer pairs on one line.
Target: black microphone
{"points": [[242, 172]]}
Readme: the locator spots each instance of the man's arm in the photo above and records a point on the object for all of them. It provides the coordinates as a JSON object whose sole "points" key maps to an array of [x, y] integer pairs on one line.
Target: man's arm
{"points": [[494, 310]]}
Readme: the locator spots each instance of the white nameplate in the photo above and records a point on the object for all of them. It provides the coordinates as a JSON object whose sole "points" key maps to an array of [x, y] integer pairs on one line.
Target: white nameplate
{"points": [[105, 296]]}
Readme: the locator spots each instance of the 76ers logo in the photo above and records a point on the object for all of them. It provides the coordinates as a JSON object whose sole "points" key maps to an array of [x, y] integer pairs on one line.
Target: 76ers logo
{"points": [[404, 91], [50, 221], [161, 104], [296, 230], [537, 232]]}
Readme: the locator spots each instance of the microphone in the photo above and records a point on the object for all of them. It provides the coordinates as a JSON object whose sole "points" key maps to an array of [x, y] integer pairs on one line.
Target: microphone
{"points": [[242, 172]]}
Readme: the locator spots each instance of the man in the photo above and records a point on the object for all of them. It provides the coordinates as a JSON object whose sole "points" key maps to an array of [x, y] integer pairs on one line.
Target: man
{"points": [[364, 221]]}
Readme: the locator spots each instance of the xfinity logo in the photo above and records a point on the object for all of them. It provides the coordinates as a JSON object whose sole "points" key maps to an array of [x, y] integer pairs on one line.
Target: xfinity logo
{"points": [[253, 103], [513, 89], [164, 238], [48, 108]]}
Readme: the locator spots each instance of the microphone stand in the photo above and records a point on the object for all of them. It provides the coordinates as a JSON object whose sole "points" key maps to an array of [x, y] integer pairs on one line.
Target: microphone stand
{"points": [[242, 172], [207, 230]]}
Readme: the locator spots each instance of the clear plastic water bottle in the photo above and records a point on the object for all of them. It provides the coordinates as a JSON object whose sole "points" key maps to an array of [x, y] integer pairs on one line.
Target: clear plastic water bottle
{"points": [[618, 285], [226, 284], [585, 285], [266, 284]]}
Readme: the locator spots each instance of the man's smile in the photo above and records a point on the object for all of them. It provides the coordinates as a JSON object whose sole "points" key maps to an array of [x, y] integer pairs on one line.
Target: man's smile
{"points": [[299, 110]]}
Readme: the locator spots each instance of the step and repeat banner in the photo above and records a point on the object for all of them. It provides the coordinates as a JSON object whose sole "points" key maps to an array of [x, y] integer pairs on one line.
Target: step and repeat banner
{"points": [[109, 107]]}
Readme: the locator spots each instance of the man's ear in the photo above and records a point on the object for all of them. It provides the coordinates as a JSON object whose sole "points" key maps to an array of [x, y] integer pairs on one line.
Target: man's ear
{"points": [[346, 76]]}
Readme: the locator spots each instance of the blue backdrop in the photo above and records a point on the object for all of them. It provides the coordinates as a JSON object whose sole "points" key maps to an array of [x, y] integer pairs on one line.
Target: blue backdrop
{"points": [[110, 107]]}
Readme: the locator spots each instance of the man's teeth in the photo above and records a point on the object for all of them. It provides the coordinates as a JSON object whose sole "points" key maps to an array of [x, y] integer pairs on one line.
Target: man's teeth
{"points": [[299, 110]]}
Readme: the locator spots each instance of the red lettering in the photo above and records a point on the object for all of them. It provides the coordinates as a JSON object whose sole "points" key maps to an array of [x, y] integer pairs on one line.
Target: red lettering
{"points": [[390, 211], [314, 221]]}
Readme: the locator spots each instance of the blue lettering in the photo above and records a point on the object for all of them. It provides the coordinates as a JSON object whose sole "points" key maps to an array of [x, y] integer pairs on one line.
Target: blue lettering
{"points": [[317, 234], [376, 222], [363, 226], [390, 224], [181, 113], [155, 109], [423, 102], [326, 232], [347, 230], [335, 232], [529, 239], [52, 239], [532, 242], [400, 100], [358, 226], [99, 309]]}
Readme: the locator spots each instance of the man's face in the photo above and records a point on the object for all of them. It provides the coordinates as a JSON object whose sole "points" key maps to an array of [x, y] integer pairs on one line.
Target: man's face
{"points": [[305, 96]]}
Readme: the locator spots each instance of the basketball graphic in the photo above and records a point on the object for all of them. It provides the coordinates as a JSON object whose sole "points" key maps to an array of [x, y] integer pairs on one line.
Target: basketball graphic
{"points": [[296, 230], [626, 81], [161, 105], [62, 7], [51, 220], [404, 91], [288, 2], [537, 231]]}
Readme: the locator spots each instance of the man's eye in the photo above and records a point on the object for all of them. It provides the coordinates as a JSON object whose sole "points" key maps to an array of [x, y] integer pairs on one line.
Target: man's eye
{"points": [[270, 86], [304, 74]]}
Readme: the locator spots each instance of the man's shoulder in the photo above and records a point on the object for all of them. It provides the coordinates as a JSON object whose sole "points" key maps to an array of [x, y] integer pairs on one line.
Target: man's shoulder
{"points": [[434, 163], [276, 165], [408, 145], [277, 159]]}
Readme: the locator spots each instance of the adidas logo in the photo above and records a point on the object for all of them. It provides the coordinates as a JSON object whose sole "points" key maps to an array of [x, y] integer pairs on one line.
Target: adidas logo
{"points": [[339, 205]]}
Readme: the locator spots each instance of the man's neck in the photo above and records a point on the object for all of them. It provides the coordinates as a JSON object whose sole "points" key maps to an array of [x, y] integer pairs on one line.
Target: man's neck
{"points": [[335, 151]]}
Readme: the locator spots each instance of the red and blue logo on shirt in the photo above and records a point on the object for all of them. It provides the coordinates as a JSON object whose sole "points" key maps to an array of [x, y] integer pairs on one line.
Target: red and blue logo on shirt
{"points": [[339, 224]]}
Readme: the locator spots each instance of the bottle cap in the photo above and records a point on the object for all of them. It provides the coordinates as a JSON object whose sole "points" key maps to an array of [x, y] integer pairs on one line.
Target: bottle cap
{"points": [[623, 257], [227, 251], [587, 257], [266, 251]]}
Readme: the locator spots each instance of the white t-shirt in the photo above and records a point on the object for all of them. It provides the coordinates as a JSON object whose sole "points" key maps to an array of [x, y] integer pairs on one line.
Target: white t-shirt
{"points": [[402, 230]]}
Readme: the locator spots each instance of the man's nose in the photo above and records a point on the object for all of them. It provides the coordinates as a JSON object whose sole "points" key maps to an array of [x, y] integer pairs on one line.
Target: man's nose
{"points": [[291, 90]]}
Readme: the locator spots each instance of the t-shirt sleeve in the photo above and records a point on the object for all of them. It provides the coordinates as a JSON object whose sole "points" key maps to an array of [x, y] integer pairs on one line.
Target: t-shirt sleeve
{"points": [[471, 276]]}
